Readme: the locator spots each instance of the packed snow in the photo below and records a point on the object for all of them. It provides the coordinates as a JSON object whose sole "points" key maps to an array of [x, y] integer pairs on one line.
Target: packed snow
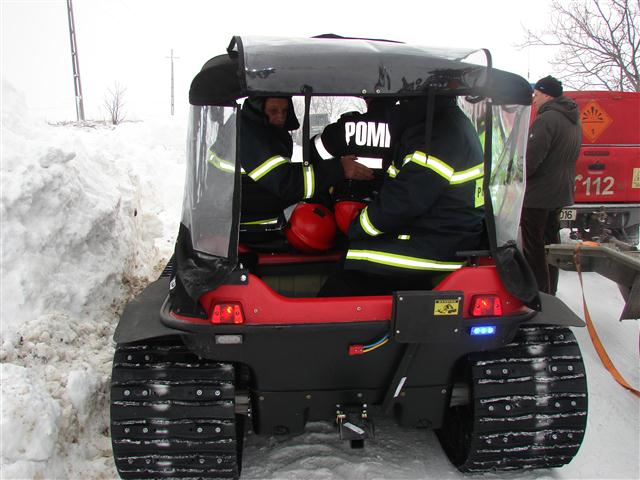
{"points": [[89, 216]]}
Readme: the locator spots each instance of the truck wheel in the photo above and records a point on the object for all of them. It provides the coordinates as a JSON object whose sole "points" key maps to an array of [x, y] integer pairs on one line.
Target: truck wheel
{"points": [[527, 405], [173, 413]]}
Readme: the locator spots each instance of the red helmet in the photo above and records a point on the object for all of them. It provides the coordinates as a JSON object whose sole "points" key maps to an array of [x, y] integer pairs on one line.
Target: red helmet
{"points": [[312, 228], [346, 211]]}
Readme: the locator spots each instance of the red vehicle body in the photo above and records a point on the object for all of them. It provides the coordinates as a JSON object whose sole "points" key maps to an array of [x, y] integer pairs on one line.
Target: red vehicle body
{"points": [[607, 190]]}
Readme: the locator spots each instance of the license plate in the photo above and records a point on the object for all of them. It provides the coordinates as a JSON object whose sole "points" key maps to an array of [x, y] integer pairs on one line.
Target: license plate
{"points": [[568, 214]]}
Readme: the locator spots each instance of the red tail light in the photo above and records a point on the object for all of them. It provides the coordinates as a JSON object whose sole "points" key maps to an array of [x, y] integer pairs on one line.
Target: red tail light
{"points": [[227, 313], [486, 306]]}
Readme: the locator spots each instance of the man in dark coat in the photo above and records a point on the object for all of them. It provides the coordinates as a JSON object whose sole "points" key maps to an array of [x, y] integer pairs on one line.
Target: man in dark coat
{"points": [[270, 182], [552, 151], [429, 208]]}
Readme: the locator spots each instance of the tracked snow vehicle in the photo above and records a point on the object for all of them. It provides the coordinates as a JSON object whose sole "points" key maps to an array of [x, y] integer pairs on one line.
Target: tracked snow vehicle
{"points": [[243, 344]]}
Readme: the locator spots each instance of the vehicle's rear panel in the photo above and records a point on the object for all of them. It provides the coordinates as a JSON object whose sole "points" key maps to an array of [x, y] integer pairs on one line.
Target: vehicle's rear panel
{"points": [[607, 174]]}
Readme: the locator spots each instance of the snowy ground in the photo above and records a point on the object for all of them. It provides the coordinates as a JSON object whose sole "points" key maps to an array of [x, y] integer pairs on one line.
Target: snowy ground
{"points": [[89, 215]]}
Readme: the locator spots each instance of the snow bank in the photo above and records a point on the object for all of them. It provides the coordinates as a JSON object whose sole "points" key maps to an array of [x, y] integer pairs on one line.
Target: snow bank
{"points": [[33, 438], [72, 204], [82, 230]]}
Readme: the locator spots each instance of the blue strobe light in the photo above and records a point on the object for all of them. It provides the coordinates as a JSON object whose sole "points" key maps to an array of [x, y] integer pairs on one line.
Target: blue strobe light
{"points": [[483, 330]]}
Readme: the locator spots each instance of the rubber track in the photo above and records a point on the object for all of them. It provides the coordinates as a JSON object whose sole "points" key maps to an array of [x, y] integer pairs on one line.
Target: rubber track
{"points": [[169, 268], [530, 402], [172, 413]]}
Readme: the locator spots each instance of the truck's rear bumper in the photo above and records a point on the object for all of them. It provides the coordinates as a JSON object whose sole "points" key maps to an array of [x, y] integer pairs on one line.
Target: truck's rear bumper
{"points": [[607, 215]]}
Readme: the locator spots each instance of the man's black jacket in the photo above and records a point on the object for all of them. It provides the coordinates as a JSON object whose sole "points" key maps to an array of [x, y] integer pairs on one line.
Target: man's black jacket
{"points": [[365, 135], [552, 151]]}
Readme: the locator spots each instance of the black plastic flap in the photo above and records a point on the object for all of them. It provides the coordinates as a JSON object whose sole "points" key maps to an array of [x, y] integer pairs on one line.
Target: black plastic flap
{"points": [[556, 312], [141, 317]]}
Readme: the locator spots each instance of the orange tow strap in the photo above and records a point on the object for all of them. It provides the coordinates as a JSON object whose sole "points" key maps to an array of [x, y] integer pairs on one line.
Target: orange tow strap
{"points": [[604, 357]]}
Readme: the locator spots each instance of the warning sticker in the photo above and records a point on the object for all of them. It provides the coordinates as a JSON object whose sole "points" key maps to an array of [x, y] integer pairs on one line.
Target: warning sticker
{"points": [[446, 307], [635, 182], [594, 120]]}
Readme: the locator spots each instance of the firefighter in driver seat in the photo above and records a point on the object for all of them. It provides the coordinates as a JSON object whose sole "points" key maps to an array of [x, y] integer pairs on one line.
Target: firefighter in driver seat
{"points": [[429, 208]]}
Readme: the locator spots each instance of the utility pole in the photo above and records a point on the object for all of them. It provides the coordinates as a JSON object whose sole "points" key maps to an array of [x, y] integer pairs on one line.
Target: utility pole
{"points": [[172, 57], [76, 65]]}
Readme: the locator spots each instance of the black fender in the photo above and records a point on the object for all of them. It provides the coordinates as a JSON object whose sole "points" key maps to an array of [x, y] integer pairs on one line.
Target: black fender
{"points": [[141, 317], [555, 312]]}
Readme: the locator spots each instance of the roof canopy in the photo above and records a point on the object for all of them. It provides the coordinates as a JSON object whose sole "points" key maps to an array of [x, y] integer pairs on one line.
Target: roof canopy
{"points": [[345, 66]]}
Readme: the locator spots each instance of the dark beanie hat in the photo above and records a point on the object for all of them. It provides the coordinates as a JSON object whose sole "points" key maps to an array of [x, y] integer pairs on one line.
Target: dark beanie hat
{"points": [[549, 85]]}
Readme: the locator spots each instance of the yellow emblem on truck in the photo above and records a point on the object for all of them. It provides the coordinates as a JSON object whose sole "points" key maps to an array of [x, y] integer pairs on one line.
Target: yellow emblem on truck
{"points": [[594, 120], [635, 182]]}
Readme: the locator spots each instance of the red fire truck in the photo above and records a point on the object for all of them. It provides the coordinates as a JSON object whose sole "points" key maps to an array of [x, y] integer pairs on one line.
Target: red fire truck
{"points": [[607, 190]]}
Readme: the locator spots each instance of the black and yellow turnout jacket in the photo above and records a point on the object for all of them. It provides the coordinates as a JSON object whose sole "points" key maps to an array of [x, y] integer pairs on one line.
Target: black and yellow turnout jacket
{"points": [[270, 182], [431, 203], [365, 135]]}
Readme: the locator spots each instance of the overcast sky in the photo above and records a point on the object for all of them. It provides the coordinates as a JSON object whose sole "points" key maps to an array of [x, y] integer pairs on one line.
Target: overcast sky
{"points": [[130, 41]]}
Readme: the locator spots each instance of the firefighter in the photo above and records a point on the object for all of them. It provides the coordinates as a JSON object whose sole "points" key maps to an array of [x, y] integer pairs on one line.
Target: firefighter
{"points": [[270, 182], [365, 135], [429, 208]]}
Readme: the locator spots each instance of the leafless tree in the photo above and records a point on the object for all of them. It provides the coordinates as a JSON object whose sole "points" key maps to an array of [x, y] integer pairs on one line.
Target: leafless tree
{"points": [[114, 103], [332, 106], [599, 43], [335, 106]]}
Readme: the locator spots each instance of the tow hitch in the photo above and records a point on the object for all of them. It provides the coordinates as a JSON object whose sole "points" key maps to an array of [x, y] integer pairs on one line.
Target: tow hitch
{"points": [[354, 424]]}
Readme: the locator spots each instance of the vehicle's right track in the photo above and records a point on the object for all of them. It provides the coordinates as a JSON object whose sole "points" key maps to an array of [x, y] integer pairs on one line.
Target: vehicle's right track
{"points": [[528, 405]]}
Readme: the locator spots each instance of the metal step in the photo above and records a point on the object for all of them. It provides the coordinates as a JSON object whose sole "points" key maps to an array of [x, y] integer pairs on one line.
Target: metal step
{"points": [[354, 424]]}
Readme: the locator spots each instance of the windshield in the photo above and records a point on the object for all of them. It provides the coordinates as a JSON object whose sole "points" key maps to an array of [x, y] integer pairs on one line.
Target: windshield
{"points": [[208, 198], [507, 181]]}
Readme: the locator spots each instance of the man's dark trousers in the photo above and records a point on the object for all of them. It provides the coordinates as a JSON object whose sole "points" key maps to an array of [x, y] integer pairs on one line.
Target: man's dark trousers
{"points": [[541, 227]]}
